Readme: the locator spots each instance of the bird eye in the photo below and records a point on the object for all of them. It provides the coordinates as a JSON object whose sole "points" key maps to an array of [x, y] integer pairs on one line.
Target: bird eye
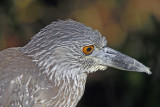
{"points": [[88, 49]]}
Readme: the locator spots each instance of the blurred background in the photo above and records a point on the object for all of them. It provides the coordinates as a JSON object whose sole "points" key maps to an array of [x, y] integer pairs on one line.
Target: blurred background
{"points": [[130, 26]]}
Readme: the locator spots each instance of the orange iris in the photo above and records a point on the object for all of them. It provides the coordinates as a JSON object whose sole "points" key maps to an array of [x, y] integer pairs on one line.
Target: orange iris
{"points": [[88, 49]]}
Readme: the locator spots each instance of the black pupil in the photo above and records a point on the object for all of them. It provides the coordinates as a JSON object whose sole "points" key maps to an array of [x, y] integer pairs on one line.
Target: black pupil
{"points": [[88, 49]]}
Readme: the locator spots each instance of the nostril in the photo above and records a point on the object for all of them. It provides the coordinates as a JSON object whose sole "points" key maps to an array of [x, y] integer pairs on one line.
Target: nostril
{"points": [[109, 50]]}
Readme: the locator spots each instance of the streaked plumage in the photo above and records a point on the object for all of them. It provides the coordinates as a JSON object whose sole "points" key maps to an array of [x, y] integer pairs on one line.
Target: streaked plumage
{"points": [[51, 70]]}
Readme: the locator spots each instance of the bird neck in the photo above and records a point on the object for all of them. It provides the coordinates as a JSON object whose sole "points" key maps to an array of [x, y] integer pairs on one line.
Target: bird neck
{"points": [[70, 90]]}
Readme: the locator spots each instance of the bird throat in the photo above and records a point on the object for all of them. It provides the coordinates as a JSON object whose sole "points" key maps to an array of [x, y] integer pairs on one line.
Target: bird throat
{"points": [[71, 90], [67, 91]]}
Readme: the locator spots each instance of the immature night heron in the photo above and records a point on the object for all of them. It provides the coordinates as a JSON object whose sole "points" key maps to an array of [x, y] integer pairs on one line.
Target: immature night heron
{"points": [[51, 70]]}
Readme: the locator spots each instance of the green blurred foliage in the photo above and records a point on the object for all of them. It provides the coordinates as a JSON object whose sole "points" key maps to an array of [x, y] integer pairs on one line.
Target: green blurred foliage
{"points": [[131, 26]]}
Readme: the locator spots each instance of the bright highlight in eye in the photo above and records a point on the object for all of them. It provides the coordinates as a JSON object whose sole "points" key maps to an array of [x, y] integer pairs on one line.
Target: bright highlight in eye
{"points": [[88, 49]]}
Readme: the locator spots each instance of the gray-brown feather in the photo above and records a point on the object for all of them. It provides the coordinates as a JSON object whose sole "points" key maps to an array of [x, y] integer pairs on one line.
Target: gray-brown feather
{"points": [[23, 84]]}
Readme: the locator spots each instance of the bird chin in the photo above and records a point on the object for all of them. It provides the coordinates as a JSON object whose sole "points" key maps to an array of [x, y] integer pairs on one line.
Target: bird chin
{"points": [[96, 68]]}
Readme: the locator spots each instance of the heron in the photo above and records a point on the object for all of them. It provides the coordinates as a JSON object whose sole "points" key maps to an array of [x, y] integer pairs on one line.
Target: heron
{"points": [[51, 70]]}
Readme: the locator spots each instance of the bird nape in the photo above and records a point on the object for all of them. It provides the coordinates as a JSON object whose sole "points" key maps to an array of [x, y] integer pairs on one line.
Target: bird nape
{"points": [[51, 70]]}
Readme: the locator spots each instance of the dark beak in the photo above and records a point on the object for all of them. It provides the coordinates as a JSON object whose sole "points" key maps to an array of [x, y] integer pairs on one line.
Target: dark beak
{"points": [[112, 58]]}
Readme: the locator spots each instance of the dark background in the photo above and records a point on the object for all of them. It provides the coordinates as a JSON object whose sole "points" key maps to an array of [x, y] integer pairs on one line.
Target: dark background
{"points": [[130, 26]]}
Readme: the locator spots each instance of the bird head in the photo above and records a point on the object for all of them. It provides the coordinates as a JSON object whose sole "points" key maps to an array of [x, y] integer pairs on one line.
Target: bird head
{"points": [[71, 48]]}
